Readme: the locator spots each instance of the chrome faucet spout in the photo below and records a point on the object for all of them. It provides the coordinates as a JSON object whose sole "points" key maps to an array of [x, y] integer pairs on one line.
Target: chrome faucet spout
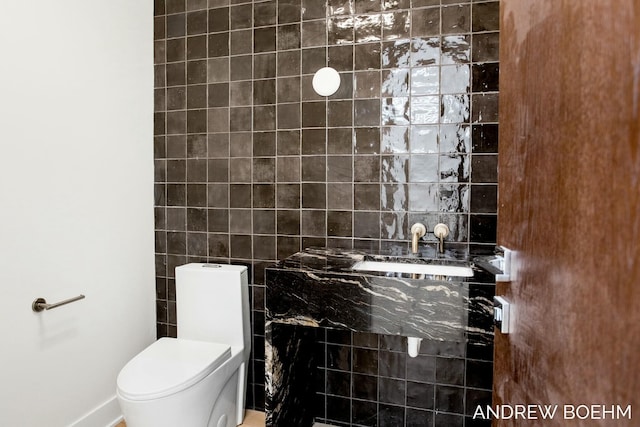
{"points": [[417, 231]]}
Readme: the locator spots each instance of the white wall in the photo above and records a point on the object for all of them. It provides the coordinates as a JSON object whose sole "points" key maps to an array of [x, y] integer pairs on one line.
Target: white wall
{"points": [[76, 205]]}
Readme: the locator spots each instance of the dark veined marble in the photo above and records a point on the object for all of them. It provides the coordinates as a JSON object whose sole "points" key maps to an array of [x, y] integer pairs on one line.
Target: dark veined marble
{"points": [[318, 288], [289, 360]]}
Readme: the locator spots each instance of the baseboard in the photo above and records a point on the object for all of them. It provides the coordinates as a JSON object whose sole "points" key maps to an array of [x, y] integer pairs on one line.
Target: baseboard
{"points": [[116, 421], [107, 414]]}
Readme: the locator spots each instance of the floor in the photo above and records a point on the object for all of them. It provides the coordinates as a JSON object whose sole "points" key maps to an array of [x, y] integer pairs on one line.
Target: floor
{"points": [[251, 419]]}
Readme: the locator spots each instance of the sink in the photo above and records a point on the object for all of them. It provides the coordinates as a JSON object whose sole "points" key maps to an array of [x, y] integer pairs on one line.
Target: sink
{"points": [[414, 268]]}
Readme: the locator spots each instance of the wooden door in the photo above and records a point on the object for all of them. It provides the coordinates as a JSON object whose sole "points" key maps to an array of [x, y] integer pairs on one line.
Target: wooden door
{"points": [[569, 205]]}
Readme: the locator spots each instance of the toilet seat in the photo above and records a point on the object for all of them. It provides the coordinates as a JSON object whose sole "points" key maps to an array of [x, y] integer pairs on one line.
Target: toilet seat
{"points": [[168, 366]]}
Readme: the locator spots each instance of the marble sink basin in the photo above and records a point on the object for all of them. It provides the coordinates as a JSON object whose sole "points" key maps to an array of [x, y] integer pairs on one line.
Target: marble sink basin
{"points": [[424, 267]]}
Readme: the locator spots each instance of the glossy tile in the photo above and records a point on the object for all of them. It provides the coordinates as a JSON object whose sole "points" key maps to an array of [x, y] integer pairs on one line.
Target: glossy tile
{"points": [[485, 138], [314, 168], [339, 223], [340, 196], [411, 135], [425, 22], [340, 140], [424, 168], [368, 28], [366, 112], [289, 37], [396, 54], [395, 139], [425, 109], [395, 82], [485, 107], [289, 11], [396, 25], [314, 223], [241, 16], [390, 415], [455, 139], [218, 19], [364, 412], [367, 84], [457, 49], [394, 197], [367, 224], [455, 79], [425, 51], [423, 197], [340, 30], [484, 198], [424, 139], [313, 9], [486, 16], [485, 77], [264, 144], [366, 169], [455, 108], [314, 195], [314, 33], [394, 224], [340, 7], [367, 197], [264, 39], [196, 47], [454, 198], [367, 56], [264, 13], [420, 395], [486, 47], [241, 42], [392, 390], [425, 81], [339, 169], [449, 399], [218, 45], [395, 111], [456, 19]]}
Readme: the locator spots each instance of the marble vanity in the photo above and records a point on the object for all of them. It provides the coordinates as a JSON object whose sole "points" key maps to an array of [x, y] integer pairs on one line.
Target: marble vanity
{"points": [[318, 288]]}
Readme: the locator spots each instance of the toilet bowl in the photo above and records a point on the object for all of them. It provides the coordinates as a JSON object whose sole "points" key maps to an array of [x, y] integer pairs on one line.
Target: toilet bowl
{"points": [[199, 378]]}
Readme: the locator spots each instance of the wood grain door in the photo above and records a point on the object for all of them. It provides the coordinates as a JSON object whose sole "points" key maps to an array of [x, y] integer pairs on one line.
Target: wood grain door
{"points": [[569, 205]]}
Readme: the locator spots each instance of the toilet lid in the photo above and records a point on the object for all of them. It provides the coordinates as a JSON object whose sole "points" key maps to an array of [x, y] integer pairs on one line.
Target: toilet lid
{"points": [[168, 366]]}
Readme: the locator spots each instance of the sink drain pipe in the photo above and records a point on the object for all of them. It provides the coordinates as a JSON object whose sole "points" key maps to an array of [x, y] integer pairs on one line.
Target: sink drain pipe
{"points": [[414, 346]]}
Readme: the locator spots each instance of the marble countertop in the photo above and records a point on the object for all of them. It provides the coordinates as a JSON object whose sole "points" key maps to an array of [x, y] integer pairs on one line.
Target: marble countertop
{"points": [[317, 287], [330, 260]]}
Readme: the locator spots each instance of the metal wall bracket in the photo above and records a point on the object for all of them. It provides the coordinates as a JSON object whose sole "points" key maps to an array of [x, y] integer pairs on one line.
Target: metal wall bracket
{"points": [[501, 314]]}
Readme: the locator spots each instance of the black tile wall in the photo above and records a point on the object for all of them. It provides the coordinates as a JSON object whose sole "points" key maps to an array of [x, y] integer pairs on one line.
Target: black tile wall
{"points": [[369, 380], [251, 165]]}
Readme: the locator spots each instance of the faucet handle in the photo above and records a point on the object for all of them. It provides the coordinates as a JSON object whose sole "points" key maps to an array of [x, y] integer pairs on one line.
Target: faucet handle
{"points": [[441, 230], [419, 229]]}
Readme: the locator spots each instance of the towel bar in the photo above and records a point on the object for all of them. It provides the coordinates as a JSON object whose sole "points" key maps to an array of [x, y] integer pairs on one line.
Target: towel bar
{"points": [[40, 304]]}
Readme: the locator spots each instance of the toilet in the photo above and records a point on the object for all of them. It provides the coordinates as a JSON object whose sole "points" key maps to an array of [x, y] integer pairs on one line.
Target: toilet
{"points": [[199, 378]]}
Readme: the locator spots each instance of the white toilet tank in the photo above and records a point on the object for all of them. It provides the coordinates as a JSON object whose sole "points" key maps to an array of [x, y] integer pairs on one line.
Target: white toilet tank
{"points": [[212, 303]]}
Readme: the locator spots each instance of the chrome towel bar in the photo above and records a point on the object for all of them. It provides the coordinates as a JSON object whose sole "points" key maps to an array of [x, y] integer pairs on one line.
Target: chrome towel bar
{"points": [[40, 304]]}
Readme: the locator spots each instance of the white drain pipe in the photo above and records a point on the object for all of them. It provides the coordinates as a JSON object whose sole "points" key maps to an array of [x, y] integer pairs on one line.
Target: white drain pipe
{"points": [[414, 346]]}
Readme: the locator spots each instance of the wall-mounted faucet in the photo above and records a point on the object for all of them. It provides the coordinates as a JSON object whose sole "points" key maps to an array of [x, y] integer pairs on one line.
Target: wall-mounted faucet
{"points": [[441, 231], [417, 231]]}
